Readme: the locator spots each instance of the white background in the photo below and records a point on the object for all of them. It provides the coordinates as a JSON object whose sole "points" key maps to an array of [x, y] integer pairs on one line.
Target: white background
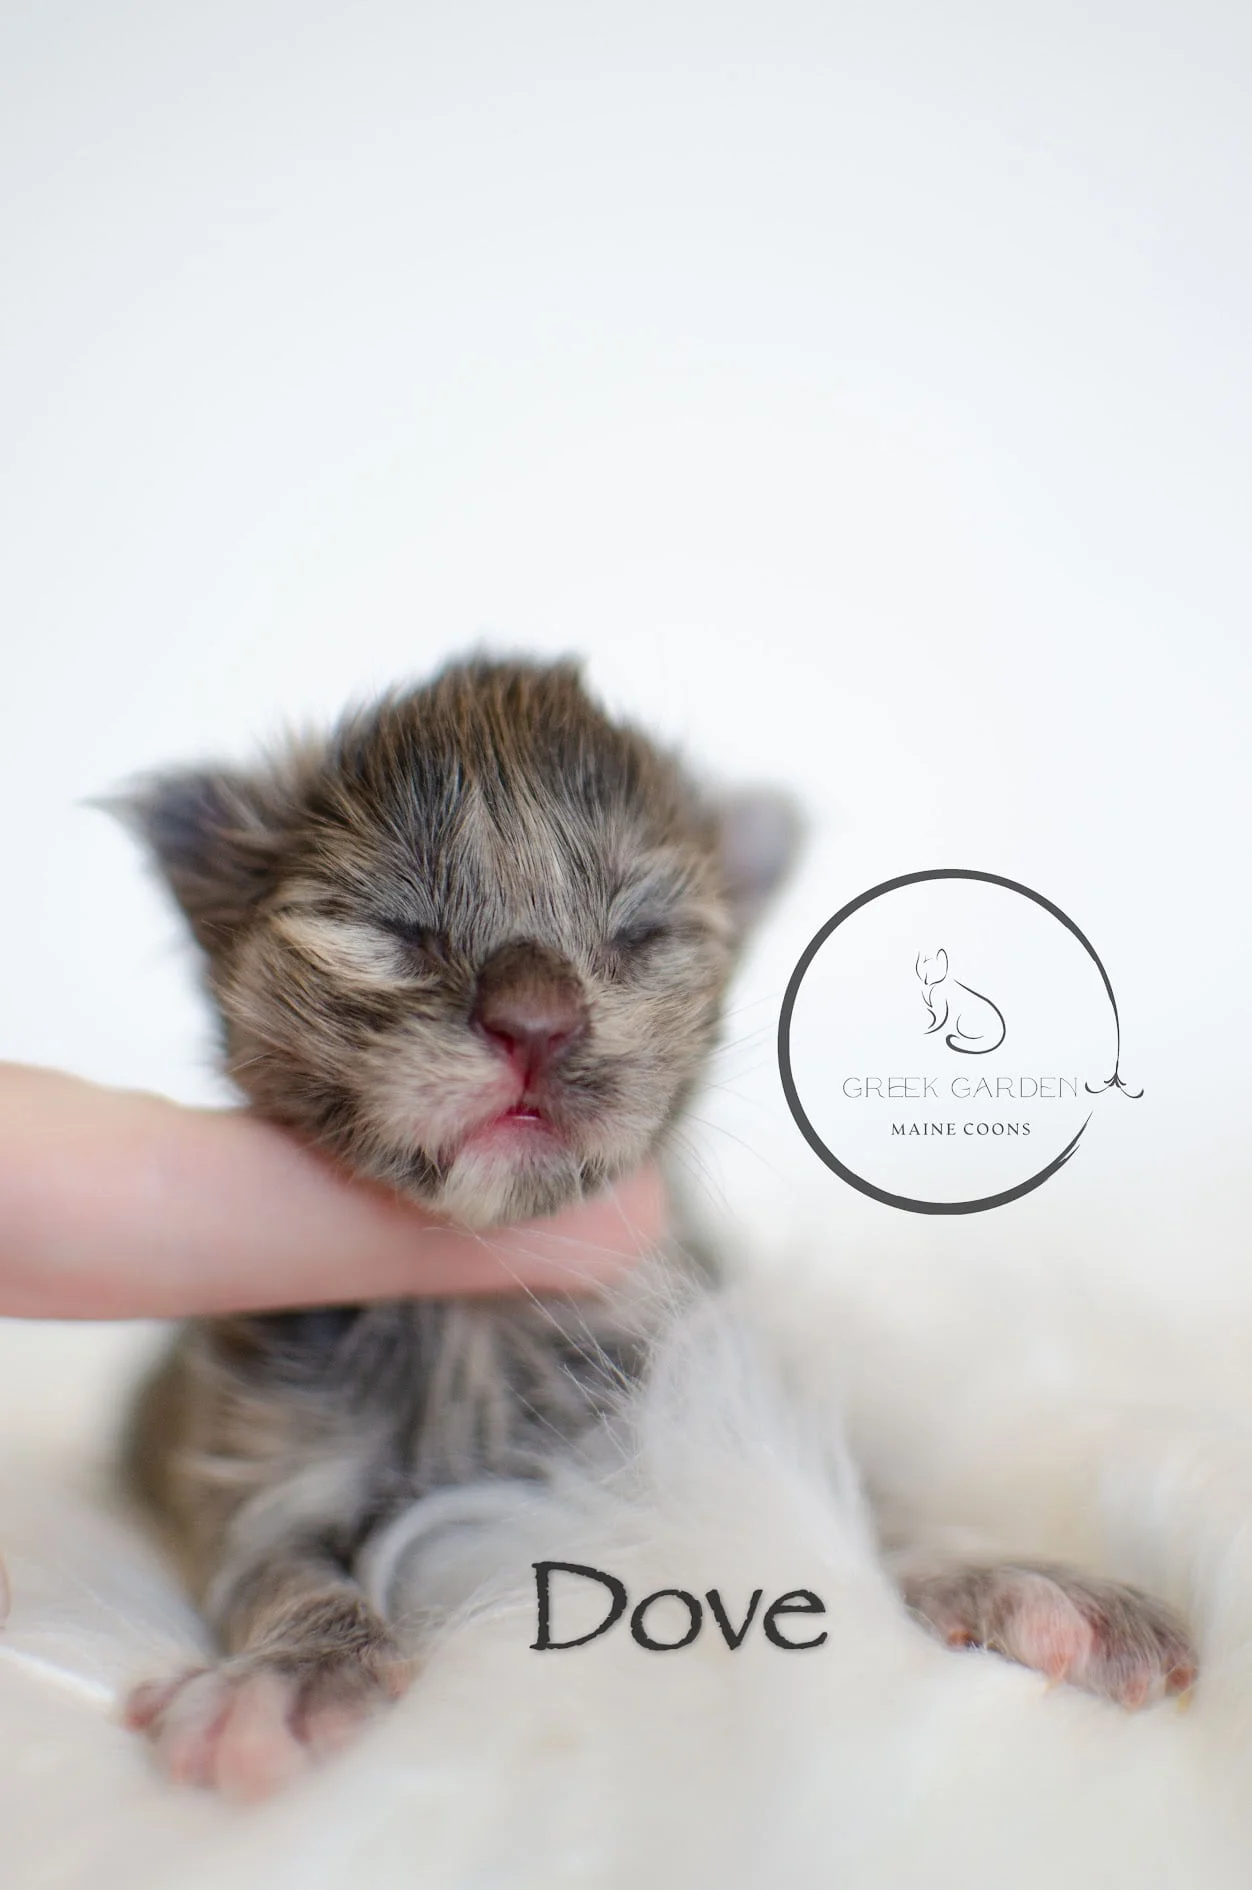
{"points": [[864, 389]]}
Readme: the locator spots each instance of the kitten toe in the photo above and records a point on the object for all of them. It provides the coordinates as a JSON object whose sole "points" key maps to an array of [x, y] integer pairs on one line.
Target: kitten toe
{"points": [[145, 1704], [1140, 1651], [255, 1747]]}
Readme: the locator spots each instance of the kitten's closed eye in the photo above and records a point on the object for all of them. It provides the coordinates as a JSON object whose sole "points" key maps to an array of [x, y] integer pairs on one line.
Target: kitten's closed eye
{"points": [[419, 938], [639, 935]]}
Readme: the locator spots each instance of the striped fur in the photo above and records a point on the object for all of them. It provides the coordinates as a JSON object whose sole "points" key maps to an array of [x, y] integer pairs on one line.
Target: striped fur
{"points": [[346, 896]]}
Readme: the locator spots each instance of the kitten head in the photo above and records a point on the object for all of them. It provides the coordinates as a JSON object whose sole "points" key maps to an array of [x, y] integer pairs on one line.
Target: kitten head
{"points": [[474, 943]]}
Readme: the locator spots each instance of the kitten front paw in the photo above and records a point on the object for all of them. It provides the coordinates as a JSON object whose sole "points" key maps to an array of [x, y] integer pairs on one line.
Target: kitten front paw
{"points": [[254, 1723], [1102, 1636]]}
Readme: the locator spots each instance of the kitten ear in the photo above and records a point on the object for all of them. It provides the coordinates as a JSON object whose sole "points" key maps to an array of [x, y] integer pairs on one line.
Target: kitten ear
{"points": [[217, 836], [761, 831]]}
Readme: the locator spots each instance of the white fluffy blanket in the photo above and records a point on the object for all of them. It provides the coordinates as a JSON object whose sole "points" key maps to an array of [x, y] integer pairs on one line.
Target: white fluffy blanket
{"points": [[1028, 1415]]}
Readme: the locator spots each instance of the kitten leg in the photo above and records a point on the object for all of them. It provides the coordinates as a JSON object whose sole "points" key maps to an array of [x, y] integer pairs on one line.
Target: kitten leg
{"points": [[1106, 1637], [308, 1661]]}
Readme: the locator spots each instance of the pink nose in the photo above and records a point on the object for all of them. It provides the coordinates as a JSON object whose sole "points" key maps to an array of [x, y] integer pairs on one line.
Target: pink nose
{"points": [[531, 1004]]}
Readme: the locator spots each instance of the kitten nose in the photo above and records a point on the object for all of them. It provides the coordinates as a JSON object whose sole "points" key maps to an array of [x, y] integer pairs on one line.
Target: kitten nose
{"points": [[530, 1001]]}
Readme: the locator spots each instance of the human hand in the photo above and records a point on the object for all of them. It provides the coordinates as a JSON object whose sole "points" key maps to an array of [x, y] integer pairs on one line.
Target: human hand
{"points": [[116, 1204]]}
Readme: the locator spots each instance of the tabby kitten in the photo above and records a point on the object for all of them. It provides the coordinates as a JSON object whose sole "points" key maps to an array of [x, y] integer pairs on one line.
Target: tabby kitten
{"points": [[474, 945]]}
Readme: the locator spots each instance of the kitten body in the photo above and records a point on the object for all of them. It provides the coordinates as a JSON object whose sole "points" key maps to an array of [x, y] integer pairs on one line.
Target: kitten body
{"points": [[473, 945]]}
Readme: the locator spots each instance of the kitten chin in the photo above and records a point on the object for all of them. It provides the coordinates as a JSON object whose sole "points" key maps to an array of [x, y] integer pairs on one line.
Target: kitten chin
{"points": [[488, 1187]]}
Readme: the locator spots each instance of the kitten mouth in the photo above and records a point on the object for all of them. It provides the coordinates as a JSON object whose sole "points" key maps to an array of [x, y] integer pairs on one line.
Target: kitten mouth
{"points": [[521, 1115], [524, 1122]]}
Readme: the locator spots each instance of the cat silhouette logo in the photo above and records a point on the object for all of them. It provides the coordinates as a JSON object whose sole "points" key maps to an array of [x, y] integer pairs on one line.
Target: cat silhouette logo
{"points": [[939, 1107], [977, 1024]]}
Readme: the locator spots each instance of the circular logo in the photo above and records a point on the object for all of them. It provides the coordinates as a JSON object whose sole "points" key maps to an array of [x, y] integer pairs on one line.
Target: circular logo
{"points": [[944, 1040]]}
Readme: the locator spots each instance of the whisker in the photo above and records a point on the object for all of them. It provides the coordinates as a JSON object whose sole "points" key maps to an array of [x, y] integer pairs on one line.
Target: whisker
{"points": [[721, 1129], [700, 1171]]}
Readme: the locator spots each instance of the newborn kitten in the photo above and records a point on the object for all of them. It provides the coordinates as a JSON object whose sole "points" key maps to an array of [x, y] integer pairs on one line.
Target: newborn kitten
{"points": [[474, 945]]}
